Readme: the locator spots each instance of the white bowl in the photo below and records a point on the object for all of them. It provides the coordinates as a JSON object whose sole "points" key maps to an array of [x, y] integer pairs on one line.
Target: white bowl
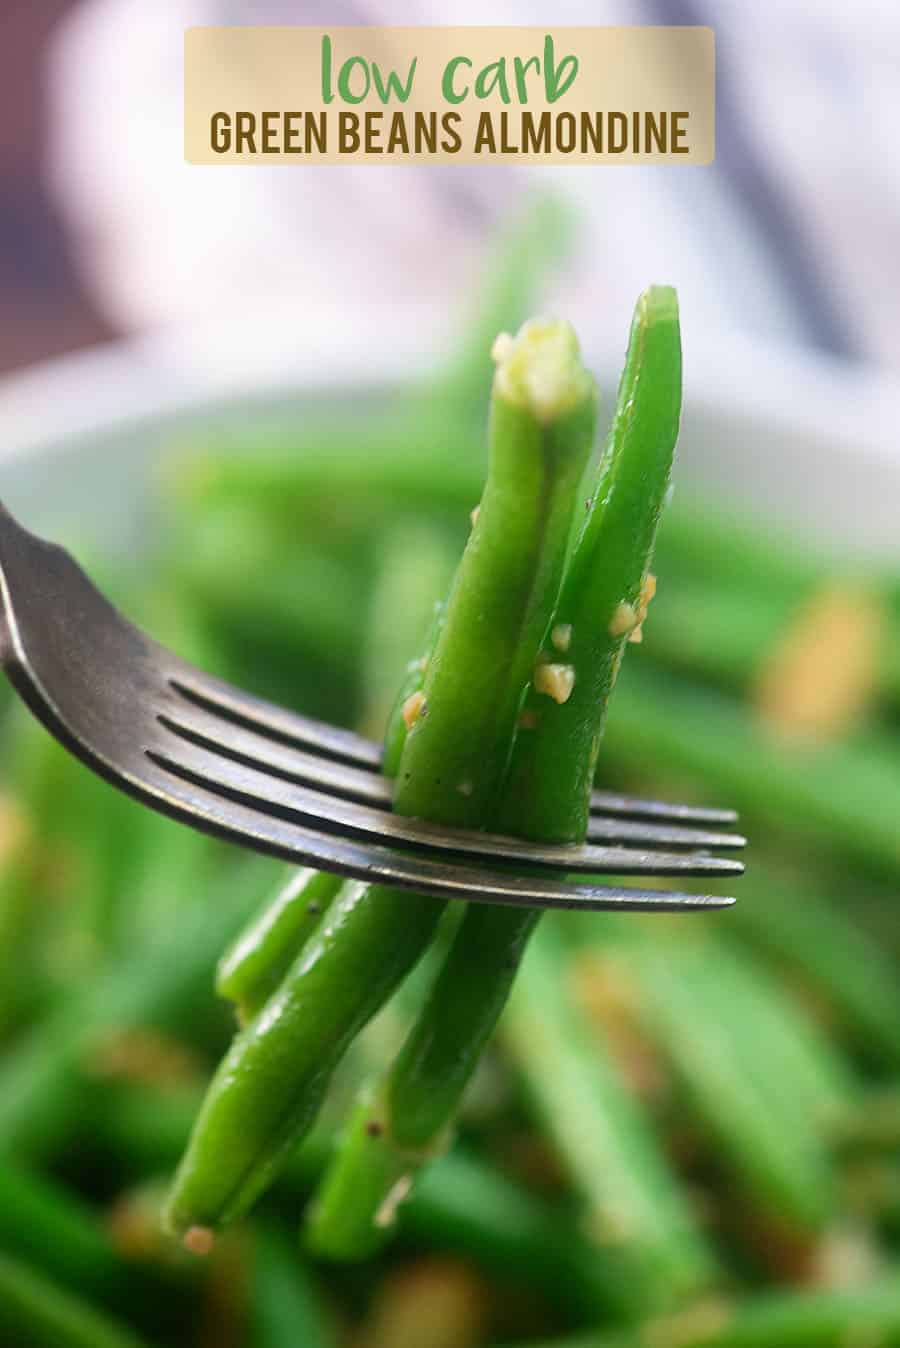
{"points": [[809, 443]]}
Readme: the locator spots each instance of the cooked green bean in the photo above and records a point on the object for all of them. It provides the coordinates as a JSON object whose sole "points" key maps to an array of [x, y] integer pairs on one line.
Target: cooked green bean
{"points": [[813, 1319], [707, 540], [45, 1224], [498, 612], [548, 790], [811, 934], [813, 665], [43, 1075], [393, 1135], [41, 1314], [633, 1204], [286, 1309], [252, 968], [506, 585], [678, 1111], [704, 1010], [460, 1203], [711, 630], [497, 618], [253, 587], [844, 797], [270, 1084]]}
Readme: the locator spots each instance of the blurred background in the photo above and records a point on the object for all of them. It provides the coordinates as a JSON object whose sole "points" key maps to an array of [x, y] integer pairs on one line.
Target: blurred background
{"points": [[189, 358], [787, 238]]}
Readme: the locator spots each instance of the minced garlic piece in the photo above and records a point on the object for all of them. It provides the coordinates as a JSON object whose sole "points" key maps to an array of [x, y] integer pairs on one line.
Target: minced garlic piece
{"points": [[627, 618], [473, 515], [199, 1240], [648, 590], [387, 1212], [540, 369], [557, 681], [561, 636], [623, 620], [413, 708]]}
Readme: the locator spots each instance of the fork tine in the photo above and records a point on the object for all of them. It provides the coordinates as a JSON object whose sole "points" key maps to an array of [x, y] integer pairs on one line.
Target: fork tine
{"points": [[98, 684], [611, 802], [240, 710], [420, 874], [239, 781], [290, 727], [198, 726], [310, 770]]}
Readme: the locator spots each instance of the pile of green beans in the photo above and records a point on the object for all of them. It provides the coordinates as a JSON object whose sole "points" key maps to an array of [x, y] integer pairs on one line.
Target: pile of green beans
{"points": [[684, 1132]]}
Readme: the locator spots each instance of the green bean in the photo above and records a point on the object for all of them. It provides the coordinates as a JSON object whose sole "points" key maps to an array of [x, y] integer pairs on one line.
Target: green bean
{"points": [[706, 541], [752, 1083], [270, 1084], [497, 617], [251, 583], [775, 647], [135, 1129], [286, 1311], [498, 611], [392, 1136], [804, 1319], [788, 1054], [45, 1224], [412, 682], [460, 1203], [808, 932], [633, 1204], [93, 832], [252, 968], [715, 631], [376, 464], [257, 1108], [843, 797], [801, 1065], [715, 556], [548, 790], [177, 867], [42, 1315], [42, 1077], [785, 1051]]}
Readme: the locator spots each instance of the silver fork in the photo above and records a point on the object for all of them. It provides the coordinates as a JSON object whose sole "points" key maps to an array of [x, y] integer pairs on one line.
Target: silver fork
{"points": [[229, 763]]}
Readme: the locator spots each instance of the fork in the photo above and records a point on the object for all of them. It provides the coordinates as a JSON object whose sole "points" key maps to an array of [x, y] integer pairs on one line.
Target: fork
{"points": [[224, 761]]}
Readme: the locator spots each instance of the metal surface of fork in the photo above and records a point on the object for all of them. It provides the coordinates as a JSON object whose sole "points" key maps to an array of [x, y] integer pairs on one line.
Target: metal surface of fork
{"points": [[222, 760]]}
